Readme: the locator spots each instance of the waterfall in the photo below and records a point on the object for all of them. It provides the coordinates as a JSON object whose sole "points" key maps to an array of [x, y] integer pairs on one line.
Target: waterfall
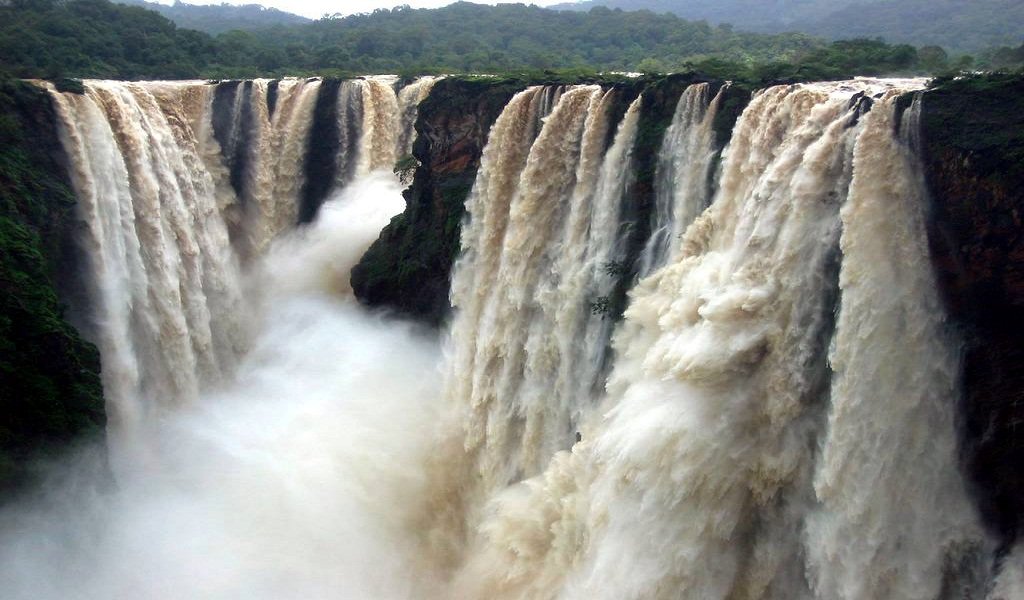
{"points": [[890, 431], [278, 148], [1010, 583], [165, 283], [373, 124], [734, 455], [409, 99], [266, 148], [772, 417], [682, 183], [543, 219], [179, 184]]}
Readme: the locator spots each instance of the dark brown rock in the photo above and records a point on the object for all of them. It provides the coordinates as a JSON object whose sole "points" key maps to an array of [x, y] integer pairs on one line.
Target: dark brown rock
{"points": [[973, 134]]}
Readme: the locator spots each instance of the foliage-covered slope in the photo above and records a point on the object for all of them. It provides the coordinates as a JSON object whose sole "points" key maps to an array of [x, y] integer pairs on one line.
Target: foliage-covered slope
{"points": [[50, 392], [95, 38], [953, 24], [748, 14]]}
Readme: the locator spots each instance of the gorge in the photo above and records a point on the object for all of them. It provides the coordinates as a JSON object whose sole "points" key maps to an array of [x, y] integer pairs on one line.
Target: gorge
{"points": [[657, 337]]}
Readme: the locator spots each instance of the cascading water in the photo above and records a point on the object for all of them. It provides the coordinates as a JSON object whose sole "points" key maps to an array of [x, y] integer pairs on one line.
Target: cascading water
{"points": [[409, 99], [372, 124], [542, 223], [683, 185], [146, 166], [264, 136], [772, 418], [277, 149], [729, 458], [166, 286], [890, 433]]}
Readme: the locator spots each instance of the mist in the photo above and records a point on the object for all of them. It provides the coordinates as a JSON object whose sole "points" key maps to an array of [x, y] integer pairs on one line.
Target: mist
{"points": [[298, 479]]}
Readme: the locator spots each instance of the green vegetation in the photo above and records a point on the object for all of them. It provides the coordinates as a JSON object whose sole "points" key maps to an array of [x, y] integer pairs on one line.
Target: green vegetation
{"points": [[979, 116], [95, 38], [957, 25], [50, 392], [747, 14], [498, 38], [1003, 58], [840, 60]]}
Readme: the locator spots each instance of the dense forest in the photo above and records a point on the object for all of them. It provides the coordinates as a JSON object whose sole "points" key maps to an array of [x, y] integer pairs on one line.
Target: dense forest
{"points": [[957, 25], [97, 38]]}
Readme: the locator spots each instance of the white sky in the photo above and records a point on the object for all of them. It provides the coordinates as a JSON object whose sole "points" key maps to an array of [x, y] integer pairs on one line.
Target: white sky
{"points": [[317, 8]]}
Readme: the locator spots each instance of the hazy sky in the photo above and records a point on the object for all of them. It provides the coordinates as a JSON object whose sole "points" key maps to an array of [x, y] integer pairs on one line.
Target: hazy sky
{"points": [[317, 8]]}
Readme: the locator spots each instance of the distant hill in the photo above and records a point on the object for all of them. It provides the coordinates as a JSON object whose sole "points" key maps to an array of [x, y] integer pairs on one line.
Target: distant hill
{"points": [[214, 18], [964, 25], [958, 25], [761, 15]]}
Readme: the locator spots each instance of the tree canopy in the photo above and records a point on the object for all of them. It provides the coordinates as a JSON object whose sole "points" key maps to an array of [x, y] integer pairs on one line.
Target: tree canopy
{"points": [[96, 38]]}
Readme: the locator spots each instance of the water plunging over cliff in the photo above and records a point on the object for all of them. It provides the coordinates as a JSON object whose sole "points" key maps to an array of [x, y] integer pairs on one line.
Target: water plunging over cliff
{"points": [[543, 224], [745, 436], [174, 194], [772, 418], [683, 173]]}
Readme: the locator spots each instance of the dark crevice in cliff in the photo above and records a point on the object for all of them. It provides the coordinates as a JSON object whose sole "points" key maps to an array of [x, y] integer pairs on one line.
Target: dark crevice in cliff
{"points": [[232, 116], [321, 164], [272, 94]]}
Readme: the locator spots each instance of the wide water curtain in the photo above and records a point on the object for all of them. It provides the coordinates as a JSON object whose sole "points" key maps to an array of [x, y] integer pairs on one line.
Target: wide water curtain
{"points": [[768, 420], [165, 284]]}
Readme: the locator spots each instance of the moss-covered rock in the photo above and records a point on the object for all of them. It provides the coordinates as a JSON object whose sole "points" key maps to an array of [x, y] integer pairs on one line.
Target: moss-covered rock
{"points": [[50, 391], [409, 267]]}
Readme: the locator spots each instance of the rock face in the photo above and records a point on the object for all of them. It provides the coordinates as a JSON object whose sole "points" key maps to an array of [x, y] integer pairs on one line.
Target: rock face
{"points": [[409, 267], [973, 135], [50, 391]]}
